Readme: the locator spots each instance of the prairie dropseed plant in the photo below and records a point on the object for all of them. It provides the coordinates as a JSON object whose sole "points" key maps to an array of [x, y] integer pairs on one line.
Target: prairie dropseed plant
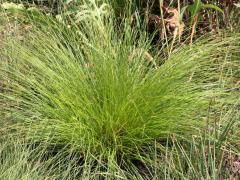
{"points": [[81, 87]]}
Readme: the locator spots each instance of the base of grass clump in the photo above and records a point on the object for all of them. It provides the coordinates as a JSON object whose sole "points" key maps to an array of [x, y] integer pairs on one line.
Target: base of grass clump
{"points": [[81, 88]]}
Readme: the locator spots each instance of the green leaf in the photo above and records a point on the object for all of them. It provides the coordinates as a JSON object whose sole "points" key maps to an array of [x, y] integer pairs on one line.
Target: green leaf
{"points": [[195, 8], [183, 10], [67, 1], [214, 7]]}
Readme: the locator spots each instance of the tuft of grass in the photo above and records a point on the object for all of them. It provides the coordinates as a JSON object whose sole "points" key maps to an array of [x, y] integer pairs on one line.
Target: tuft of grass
{"points": [[89, 87]]}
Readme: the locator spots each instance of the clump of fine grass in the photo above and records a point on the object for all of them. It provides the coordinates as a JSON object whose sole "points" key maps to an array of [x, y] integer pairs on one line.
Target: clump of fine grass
{"points": [[88, 88]]}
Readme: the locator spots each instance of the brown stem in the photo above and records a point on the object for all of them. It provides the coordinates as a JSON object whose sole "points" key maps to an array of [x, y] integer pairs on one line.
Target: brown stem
{"points": [[193, 28]]}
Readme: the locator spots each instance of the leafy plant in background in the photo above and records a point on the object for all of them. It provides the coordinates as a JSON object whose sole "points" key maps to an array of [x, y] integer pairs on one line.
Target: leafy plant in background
{"points": [[77, 10], [194, 10], [12, 6], [19, 9]]}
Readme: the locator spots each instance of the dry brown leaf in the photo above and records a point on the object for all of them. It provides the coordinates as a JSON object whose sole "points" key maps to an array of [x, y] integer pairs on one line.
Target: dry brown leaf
{"points": [[174, 23]]}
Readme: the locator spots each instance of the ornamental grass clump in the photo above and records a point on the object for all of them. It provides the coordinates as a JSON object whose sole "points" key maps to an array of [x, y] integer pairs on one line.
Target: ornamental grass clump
{"points": [[85, 86]]}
